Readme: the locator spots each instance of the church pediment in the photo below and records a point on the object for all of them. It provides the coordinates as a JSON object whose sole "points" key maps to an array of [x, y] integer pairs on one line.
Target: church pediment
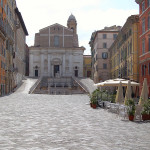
{"points": [[57, 35], [55, 27]]}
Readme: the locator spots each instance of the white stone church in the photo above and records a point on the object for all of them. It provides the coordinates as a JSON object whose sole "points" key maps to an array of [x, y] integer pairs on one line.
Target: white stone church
{"points": [[56, 51]]}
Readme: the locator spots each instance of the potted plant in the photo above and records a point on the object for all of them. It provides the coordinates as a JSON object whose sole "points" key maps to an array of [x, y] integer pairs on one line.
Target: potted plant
{"points": [[94, 98], [131, 109], [146, 111]]}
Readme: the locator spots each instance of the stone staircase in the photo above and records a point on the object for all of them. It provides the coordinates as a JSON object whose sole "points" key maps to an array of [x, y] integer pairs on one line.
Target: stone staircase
{"points": [[57, 86], [87, 84]]}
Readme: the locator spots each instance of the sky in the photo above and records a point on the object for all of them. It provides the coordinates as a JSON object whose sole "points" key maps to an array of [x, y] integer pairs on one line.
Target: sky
{"points": [[91, 15]]}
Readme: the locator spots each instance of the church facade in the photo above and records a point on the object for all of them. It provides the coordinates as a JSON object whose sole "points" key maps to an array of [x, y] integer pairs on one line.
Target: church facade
{"points": [[56, 51]]}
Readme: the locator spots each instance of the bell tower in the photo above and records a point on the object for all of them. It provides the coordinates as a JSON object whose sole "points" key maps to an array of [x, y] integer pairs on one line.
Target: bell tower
{"points": [[72, 23]]}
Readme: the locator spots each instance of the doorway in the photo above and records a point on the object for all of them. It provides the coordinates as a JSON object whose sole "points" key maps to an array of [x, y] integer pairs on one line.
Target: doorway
{"points": [[36, 73], [88, 74], [56, 69], [76, 73]]}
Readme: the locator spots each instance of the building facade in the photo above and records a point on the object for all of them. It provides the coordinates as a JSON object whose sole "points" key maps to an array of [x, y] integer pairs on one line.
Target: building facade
{"points": [[19, 61], [56, 51], [27, 61], [144, 44], [11, 4], [3, 5], [124, 51], [100, 43], [87, 69], [12, 37]]}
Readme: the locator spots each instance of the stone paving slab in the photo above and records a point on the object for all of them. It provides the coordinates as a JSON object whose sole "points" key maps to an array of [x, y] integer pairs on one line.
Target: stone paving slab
{"points": [[54, 122]]}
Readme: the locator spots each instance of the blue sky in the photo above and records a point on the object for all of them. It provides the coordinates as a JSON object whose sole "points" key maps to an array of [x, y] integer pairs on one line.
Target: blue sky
{"points": [[91, 15], [120, 4]]}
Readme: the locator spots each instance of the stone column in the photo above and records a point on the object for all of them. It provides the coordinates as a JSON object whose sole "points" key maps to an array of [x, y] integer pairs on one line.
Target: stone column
{"points": [[31, 71], [64, 66], [49, 66], [63, 36], [42, 65], [70, 64], [52, 70]]}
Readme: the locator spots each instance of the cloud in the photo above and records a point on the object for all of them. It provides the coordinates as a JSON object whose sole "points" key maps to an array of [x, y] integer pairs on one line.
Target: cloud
{"points": [[90, 16]]}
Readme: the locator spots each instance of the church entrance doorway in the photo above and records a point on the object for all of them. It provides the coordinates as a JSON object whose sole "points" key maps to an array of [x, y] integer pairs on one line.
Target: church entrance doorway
{"points": [[56, 69], [76, 73], [36, 73]]}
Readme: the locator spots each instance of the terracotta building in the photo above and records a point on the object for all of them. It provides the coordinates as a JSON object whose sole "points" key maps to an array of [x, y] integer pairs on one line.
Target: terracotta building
{"points": [[124, 51], [100, 42], [87, 69], [10, 46], [12, 40], [2, 46], [144, 44]]}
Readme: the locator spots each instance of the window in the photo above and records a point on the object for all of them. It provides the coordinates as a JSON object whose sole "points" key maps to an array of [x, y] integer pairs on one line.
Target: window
{"points": [[143, 25], [149, 21], [118, 59], [149, 43], [148, 3], [131, 47], [104, 55], [143, 6], [2, 50], [149, 68], [130, 32], [104, 45], [104, 36], [131, 68], [2, 3], [143, 70], [128, 48], [143, 46], [56, 40], [114, 36], [104, 66]]}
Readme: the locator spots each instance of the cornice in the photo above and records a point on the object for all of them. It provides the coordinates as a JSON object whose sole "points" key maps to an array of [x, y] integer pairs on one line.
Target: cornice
{"points": [[56, 48], [138, 1]]}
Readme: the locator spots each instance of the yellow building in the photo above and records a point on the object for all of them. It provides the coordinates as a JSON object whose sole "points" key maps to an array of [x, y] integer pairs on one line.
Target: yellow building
{"points": [[87, 66], [124, 51]]}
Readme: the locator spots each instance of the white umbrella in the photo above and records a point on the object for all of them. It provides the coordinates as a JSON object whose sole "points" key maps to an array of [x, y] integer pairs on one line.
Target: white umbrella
{"points": [[144, 93], [128, 92], [119, 96], [115, 82]]}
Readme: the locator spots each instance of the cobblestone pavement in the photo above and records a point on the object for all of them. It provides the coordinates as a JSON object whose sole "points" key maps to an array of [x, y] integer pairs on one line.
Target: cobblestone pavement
{"points": [[43, 122]]}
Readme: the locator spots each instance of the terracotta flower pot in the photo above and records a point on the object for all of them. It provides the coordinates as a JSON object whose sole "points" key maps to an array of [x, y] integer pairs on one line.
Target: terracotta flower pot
{"points": [[145, 117], [94, 106], [131, 117]]}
